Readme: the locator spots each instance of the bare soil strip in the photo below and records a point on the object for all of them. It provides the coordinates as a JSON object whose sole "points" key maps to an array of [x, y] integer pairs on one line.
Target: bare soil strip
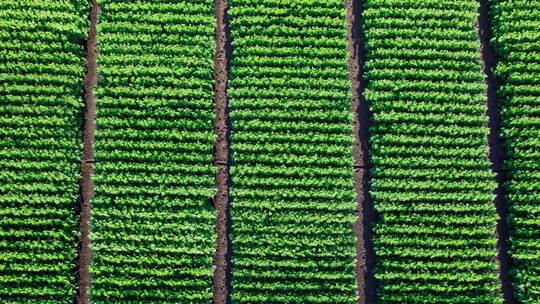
{"points": [[496, 152], [222, 157], [365, 257], [86, 183]]}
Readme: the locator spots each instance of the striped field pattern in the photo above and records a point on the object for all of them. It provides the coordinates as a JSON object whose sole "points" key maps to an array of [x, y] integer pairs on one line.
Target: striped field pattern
{"points": [[248, 105], [292, 189], [431, 181], [516, 39], [41, 75], [153, 223]]}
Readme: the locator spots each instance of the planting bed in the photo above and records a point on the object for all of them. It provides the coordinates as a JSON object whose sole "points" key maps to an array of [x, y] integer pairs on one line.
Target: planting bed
{"points": [[41, 75], [152, 228], [516, 41], [292, 188], [431, 183]]}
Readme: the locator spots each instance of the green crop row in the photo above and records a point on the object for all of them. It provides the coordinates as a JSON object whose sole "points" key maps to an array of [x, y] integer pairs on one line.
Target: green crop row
{"points": [[41, 74], [516, 41], [152, 226], [292, 188], [431, 181]]}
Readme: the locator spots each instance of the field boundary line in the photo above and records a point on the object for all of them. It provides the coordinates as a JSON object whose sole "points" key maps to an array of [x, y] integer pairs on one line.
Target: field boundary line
{"points": [[365, 254], [87, 161], [222, 156], [496, 151]]}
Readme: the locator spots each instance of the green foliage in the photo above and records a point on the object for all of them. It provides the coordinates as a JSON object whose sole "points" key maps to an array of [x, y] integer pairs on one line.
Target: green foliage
{"points": [[152, 226], [431, 182], [41, 73], [515, 39], [292, 188], [293, 206]]}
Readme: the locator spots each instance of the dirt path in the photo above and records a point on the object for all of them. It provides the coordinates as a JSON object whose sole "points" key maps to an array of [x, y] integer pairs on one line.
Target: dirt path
{"points": [[222, 258], [365, 258], [496, 151], [86, 183]]}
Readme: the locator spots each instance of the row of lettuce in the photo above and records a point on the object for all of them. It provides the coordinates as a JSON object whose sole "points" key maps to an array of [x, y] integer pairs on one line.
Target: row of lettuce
{"points": [[293, 208], [152, 229], [41, 75], [431, 180], [292, 197], [516, 41]]}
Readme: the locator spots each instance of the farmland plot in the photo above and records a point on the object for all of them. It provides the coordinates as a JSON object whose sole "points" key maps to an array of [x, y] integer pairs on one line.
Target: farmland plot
{"points": [[153, 227], [292, 188], [41, 74], [431, 179], [153, 224], [516, 39]]}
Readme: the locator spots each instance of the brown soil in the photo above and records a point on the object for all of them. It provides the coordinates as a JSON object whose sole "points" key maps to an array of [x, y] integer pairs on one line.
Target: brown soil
{"points": [[496, 151], [365, 258], [86, 183], [222, 157]]}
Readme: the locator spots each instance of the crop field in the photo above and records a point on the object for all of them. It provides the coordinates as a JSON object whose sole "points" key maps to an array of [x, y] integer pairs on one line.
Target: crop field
{"points": [[431, 182], [152, 226], [516, 39], [41, 75], [270, 151], [292, 188]]}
